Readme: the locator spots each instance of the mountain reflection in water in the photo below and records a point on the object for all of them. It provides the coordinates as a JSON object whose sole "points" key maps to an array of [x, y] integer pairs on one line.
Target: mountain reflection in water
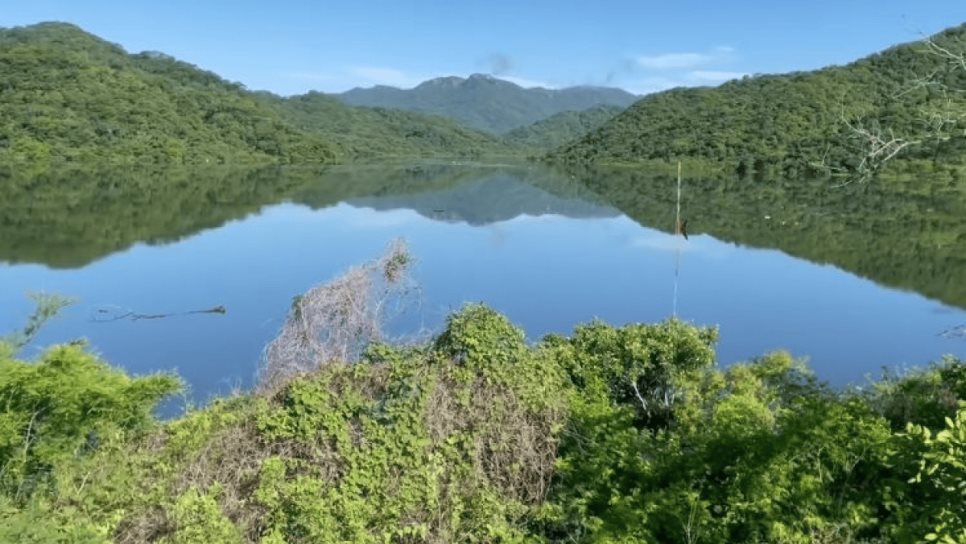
{"points": [[856, 278]]}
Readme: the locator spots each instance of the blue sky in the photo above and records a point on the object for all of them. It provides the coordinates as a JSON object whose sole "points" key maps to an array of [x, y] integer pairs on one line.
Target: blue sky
{"points": [[294, 46]]}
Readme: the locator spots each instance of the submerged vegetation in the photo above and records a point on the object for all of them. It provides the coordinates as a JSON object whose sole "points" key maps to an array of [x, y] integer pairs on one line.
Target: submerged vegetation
{"points": [[610, 435]]}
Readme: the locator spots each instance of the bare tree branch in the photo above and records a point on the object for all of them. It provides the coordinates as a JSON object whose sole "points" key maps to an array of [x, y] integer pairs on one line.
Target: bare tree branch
{"points": [[337, 320]]}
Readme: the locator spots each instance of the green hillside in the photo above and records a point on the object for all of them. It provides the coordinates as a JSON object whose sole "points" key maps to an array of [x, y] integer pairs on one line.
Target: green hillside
{"points": [[487, 103], [365, 132], [784, 123], [561, 128], [68, 95]]}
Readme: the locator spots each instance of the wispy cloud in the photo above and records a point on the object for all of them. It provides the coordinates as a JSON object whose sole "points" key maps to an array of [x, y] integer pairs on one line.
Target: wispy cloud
{"points": [[649, 85], [653, 73], [367, 76], [678, 61], [716, 75], [528, 83], [688, 78], [674, 60], [498, 63], [373, 75]]}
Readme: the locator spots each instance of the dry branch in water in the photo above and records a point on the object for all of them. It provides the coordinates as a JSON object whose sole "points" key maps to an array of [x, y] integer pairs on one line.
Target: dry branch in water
{"points": [[337, 320]]}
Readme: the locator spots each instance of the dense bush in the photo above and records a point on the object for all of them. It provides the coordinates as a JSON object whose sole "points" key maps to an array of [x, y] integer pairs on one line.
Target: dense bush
{"points": [[628, 434]]}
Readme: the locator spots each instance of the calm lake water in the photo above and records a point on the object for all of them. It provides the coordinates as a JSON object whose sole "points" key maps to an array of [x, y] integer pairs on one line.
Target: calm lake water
{"points": [[855, 279]]}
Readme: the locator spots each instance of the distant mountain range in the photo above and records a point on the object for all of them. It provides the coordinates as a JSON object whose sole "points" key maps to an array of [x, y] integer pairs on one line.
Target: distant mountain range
{"points": [[69, 96], [485, 102]]}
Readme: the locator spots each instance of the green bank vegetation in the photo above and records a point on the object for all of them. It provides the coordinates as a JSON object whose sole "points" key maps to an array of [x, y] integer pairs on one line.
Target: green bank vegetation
{"points": [[614, 434], [68, 96]]}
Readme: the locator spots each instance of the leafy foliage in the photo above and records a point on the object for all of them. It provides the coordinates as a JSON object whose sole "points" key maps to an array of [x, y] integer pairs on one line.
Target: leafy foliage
{"points": [[366, 133], [942, 472], [69, 96], [793, 124], [561, 128], [48, 305], [61, 408], [611, 435]]}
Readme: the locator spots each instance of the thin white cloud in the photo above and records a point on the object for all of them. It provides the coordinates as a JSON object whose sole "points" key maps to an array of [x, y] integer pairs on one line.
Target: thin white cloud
{"points": [[716, 75], [654, 73], [679, 61], [373, 75], [527, 83], [674, 60], [653, 84]]}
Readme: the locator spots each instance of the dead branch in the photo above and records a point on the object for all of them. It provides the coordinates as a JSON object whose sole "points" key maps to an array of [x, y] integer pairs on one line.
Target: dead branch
{"points": [[337, 320]]}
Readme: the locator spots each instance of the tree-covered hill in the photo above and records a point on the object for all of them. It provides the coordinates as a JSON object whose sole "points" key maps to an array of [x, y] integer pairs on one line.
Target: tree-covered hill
{"points": [[364, 132], [561, 128], [487, 103], [68, 95], [784, 123]]}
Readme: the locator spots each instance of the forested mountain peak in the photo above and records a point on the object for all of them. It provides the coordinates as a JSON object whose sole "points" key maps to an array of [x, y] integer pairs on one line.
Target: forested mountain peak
{"points": [[486, 102]]}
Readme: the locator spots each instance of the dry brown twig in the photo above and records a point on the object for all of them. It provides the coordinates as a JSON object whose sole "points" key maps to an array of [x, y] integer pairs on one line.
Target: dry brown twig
{"points": [[337, 320]]}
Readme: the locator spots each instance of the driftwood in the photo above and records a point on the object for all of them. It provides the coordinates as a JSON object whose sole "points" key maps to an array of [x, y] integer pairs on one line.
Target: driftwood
{"points": [[102, 314]]}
